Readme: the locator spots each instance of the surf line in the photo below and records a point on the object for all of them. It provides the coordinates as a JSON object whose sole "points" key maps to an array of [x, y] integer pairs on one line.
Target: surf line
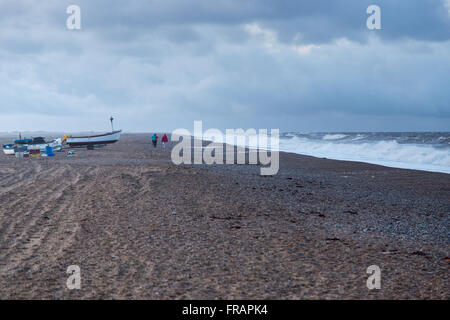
{"points": [[199, 310], [259, 143]]}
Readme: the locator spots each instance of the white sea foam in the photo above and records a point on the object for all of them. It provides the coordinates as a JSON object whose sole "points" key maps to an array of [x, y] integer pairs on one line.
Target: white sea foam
{"points": [[387, 153], [334, 136], [359, 137]]}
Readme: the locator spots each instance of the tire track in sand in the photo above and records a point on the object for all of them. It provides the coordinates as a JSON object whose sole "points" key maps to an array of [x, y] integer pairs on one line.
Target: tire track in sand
{"points": [[38, 222]]}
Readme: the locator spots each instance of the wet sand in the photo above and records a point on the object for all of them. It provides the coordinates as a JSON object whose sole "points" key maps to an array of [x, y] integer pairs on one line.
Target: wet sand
{"points": [[141, 227]]}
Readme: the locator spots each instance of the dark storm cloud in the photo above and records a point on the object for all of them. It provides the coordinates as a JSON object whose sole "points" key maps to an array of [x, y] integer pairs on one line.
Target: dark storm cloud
{"points": [[314, 21], [311, 21], [291, 64]]}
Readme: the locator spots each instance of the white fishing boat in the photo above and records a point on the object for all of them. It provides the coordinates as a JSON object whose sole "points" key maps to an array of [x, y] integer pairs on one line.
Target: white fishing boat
{"points": [[93, 140], [8, 149], [99, 139]]}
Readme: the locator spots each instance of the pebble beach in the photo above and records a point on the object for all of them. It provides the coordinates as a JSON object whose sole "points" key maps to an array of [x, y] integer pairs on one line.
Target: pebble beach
{"points": [[141, 227]]}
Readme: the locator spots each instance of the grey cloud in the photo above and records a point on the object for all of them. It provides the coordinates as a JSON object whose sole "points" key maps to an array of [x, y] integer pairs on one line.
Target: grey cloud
{"points": [[316, 21], [165, 63]]}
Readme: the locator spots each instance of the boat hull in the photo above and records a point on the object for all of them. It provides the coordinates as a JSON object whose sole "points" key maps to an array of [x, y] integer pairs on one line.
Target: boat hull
{"points": [[106, 138], [8, 151]]}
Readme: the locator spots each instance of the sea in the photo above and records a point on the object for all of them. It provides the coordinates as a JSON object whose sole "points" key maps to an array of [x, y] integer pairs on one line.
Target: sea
{"points": [[429, 151]]}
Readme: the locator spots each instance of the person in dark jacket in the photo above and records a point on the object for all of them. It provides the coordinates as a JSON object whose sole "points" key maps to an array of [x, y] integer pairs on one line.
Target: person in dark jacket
{"points": [[155, 139], [164, 140]]}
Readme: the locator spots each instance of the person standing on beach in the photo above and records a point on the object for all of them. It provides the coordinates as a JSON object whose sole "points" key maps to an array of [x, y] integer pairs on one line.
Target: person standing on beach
{"points": [[164, 140], [155, 139]]}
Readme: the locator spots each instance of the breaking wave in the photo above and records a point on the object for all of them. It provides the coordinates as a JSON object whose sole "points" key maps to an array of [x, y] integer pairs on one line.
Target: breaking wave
{"points": [[334, 136], [389, 152]]}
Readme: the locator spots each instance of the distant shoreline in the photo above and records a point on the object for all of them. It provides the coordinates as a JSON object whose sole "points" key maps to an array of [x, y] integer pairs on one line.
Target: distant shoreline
{"points": [[386, 164]]}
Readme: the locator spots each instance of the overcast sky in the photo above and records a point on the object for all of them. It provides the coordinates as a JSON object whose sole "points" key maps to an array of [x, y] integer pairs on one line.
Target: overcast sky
{"points": [[160, 65]]}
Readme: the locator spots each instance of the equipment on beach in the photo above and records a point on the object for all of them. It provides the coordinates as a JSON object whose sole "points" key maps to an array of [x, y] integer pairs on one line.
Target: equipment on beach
{"points": [[20, 151], [23, 141], [35, 153], [49, 151], [65, 138], [39, 143], [22, 145]]}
